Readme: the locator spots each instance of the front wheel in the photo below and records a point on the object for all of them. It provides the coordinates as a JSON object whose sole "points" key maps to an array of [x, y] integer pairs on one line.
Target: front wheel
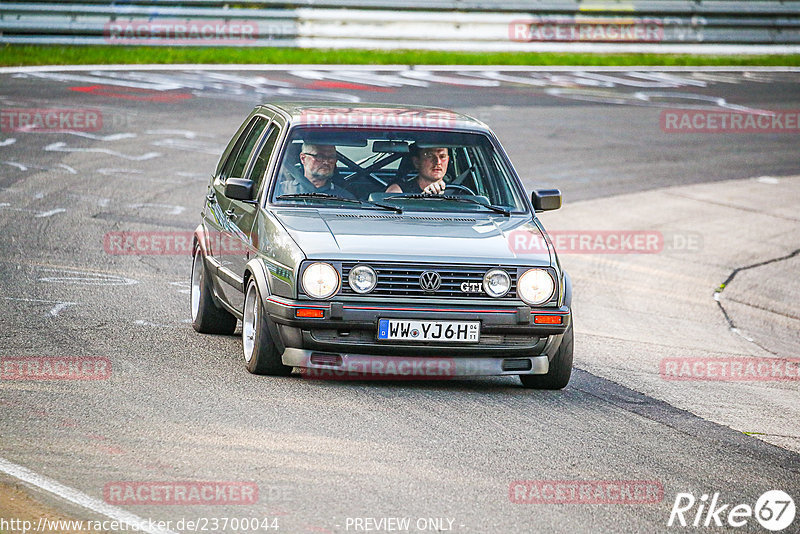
{"points": [[207, 318], [560, 367], [261, 356]]}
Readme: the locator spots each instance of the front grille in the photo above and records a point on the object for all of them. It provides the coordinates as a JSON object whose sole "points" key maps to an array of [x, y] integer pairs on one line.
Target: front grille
{"points": [[403, 280]]}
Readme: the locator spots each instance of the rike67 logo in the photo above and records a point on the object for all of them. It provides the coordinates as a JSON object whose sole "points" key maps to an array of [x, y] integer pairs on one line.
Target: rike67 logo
{"points": [[774, 510]]}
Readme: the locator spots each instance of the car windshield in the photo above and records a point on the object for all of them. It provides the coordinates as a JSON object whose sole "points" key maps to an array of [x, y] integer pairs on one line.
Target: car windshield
{"points": [[326, 167]]}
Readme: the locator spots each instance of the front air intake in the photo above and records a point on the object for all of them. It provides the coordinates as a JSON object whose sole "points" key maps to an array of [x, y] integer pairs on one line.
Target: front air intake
{"points": [[321, 358], [517, 365]]}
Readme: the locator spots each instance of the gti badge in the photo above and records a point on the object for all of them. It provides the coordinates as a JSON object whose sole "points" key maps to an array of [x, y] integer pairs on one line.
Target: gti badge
{"points": [[472, 287]]}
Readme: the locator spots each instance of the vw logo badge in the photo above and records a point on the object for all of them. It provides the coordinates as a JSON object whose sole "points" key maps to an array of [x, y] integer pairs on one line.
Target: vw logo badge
{"points": [[430, 281]]}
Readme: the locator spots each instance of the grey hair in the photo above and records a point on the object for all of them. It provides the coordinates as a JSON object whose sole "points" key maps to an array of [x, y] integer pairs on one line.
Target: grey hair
{"points": [[307, 146]]}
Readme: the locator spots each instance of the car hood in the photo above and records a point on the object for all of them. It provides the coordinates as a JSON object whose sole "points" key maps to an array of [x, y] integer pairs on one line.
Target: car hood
{"points": [[375, 235]]}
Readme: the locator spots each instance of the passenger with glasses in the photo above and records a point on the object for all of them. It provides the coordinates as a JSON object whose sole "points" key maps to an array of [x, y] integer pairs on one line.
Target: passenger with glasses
{"points": [[319, 164]]}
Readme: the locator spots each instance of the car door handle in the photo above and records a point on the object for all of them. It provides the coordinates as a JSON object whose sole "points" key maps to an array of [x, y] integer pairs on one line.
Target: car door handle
{"points": [[231, 214]]}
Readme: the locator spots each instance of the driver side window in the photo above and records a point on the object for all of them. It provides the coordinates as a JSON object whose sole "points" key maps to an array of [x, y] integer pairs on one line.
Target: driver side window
{"points": [[237, 159], [261, 161]]}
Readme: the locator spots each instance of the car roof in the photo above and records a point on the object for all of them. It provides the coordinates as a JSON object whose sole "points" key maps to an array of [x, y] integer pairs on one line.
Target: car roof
{"points": [[368, 115]]}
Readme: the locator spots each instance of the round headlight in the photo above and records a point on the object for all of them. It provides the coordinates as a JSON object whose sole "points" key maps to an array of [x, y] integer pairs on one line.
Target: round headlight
{"points": [[320, 280], [362, 278], [496, 283], [535, 286]]}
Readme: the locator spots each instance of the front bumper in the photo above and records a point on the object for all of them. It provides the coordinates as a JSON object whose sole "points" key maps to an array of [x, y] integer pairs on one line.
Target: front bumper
{"points": [[409, 368], [510, 341]]}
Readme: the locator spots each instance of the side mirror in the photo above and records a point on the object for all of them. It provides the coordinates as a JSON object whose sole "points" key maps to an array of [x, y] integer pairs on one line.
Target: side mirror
{"points": [[239, 189], [546, 199]]}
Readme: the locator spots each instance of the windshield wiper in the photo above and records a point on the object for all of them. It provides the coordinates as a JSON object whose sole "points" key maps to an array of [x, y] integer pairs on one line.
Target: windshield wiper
{"points": [[327, 196], [396, 209], [497, 209], [317, 195]]}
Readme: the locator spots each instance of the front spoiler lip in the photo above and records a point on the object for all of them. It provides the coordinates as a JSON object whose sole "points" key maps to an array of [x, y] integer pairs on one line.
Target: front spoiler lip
{"points": [[409, 368]]}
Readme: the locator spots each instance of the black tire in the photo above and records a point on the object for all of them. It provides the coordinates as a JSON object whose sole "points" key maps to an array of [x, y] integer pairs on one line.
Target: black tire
{"points": [[560, 367], [207, 317], [261, 356]]}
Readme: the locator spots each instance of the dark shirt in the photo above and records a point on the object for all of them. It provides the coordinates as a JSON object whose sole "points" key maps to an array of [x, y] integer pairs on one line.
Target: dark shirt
{"points": [[294, 185], [410, 187]]}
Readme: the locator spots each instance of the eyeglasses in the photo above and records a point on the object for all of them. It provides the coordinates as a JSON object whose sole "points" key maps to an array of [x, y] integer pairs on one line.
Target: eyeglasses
{"points": [[320, 158]]}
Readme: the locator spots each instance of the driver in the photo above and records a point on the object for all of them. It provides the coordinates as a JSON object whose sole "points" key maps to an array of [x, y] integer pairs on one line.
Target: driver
{"points": [[319, 163], [431, 164]]}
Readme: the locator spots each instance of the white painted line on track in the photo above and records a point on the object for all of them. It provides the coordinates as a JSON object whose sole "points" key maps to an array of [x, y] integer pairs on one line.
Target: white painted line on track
{"points": [[19, 166], [81, 499], [67, 167], [190, 66], [111, 137], [387, 68], [58, 307], [172, 209], [141, 322], [188, 134], [590, 68], [38, 214], [54, 311], [50, 212], [70, 276], [62, 147], [106, 171]]}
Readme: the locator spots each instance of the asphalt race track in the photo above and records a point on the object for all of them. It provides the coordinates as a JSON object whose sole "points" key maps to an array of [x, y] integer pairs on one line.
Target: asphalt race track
{"points": [[178, 407]]}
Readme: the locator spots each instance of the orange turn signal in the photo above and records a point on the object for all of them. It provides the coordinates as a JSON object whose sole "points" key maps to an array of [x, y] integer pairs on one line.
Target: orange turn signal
{"points": [[547, 319], [308, 312]]}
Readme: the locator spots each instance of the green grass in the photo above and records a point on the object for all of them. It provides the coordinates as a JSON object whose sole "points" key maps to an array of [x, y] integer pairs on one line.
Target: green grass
{"points": [[17, 55]]}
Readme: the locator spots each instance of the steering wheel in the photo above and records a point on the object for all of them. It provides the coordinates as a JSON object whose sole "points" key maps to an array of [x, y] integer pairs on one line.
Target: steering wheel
{"points": [[462, 188]]}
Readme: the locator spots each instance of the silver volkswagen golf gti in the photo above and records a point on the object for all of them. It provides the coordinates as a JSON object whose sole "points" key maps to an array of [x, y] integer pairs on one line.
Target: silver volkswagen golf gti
{"points": [[380, 241]]}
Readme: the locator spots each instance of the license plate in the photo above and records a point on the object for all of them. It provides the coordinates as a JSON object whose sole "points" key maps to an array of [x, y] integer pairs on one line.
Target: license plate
{"points": [[446, 331]]}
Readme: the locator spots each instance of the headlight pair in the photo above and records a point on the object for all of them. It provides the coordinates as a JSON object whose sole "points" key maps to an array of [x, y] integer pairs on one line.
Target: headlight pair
{"points": [[534, 287], [321, 280]]}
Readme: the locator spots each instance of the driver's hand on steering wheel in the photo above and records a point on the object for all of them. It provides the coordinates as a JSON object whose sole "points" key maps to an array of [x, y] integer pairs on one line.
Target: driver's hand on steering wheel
{"points": [[436, 188]]}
